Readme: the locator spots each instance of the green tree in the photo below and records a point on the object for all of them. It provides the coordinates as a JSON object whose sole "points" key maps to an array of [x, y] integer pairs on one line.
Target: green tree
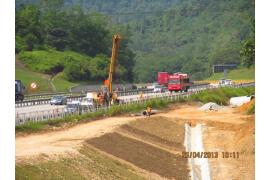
{"points": [[20, 44], [76, 71], [87, 36], [248, 53], [99, 67], [29, 27]]}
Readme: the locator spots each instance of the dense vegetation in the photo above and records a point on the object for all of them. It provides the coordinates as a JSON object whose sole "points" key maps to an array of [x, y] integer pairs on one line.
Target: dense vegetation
{"points": [[51, 38], [188, 35]]}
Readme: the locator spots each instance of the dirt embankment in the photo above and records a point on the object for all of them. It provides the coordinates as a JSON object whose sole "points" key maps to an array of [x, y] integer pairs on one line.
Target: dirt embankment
{"points": [[151, 146], [66, 141]]}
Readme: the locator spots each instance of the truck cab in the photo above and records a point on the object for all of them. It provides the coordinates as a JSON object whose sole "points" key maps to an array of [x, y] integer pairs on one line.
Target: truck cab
{"points": [[19, 90], [179, 82]]}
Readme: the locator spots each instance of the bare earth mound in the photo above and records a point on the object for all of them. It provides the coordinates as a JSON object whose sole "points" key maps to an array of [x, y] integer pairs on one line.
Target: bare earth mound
{"points": [[134, 148], [143, 155]]}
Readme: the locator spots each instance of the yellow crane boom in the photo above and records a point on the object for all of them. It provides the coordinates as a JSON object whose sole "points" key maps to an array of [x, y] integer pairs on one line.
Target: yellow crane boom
{"points": [[115, 47]]}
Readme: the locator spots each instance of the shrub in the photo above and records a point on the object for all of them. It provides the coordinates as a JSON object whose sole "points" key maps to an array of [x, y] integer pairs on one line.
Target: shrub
{"points": [[50, 61]]}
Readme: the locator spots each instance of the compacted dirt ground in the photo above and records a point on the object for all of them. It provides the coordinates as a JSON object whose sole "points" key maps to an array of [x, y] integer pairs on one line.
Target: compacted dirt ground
{"points": [[140, 147]]}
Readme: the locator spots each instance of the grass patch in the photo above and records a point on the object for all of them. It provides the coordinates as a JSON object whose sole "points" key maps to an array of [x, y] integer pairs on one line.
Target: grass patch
{"points": [[61, 84], [237, 74], [251, 110], [220, 96], [92, 165], [27, 77], [49, 61]]}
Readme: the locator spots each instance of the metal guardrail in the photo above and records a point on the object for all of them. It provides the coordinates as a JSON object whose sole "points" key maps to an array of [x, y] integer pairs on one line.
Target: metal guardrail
{"points": [[48, 95], [43, 101], [46, 100], [37, 99], [60, 113], [120, 93]]}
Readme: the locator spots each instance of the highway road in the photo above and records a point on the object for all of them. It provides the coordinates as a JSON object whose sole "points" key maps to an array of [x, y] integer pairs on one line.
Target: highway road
{"points": [[48, 107], [46, 111]]}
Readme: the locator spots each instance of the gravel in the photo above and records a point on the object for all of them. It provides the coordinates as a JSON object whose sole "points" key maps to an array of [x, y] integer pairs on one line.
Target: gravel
{"points": [[210, 106]]}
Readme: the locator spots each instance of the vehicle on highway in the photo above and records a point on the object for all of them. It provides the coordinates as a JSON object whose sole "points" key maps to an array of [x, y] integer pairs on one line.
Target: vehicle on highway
{"points": [[88, 102], [19, 90], [158, 89], [163, 78], [72, 107], [225, 82], [58, 100], [179, 82]]}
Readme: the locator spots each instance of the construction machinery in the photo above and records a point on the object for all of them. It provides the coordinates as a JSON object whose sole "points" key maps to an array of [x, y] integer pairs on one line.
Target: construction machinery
{"points": [[111, 97], [106, 95], [91, 101]]}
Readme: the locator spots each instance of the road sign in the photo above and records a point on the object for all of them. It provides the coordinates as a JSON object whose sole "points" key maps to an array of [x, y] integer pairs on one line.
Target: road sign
{"points": [[33, 85]]}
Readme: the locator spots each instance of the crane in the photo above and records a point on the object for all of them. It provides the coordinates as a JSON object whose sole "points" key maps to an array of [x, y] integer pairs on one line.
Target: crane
{"points": [[115, 47], [107, 90], [106, 96]]}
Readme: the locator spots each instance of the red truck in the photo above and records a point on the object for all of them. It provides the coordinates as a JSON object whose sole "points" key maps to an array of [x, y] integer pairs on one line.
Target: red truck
{"points": [[163, 78], [178, 82]]}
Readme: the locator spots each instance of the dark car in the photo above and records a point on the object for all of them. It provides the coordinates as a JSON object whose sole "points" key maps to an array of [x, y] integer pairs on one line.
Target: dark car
{"points": [[72, 107], [58, 100]]}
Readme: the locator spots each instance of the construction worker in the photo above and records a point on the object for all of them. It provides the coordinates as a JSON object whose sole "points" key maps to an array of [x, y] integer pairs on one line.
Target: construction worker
{"points": [[107, 99], [141, 95], [148, 110]]}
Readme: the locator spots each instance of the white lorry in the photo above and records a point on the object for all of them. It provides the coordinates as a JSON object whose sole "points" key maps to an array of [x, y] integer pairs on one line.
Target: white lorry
{"points": [[89, 101]]}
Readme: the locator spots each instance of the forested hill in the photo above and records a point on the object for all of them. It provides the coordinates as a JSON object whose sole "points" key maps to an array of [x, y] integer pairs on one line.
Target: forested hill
{"points": [[178, 35]]}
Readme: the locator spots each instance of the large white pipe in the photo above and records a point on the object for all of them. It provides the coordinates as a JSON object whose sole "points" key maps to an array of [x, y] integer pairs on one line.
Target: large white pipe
{"points": [[238, 101]]}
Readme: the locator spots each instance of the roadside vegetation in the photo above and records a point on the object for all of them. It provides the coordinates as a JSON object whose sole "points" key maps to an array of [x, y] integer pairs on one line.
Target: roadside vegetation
{"points": [[251, 109], [61, 84], [248, 108], [220, 96], [27, 77], [237, 74], [46, 83], [52, 38]]}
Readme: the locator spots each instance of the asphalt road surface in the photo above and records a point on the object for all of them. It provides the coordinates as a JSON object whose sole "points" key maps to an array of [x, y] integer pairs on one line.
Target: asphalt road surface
{"points": [[48, 107]]}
